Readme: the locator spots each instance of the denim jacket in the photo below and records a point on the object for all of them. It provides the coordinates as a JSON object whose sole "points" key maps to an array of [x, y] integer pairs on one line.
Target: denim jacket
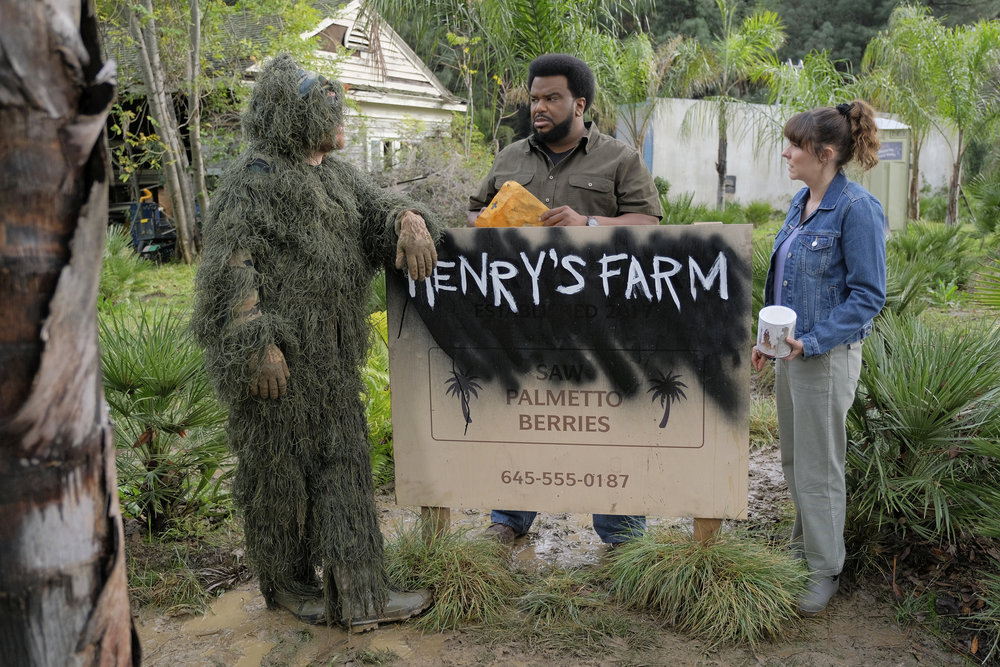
{"points": [[834, 277]]}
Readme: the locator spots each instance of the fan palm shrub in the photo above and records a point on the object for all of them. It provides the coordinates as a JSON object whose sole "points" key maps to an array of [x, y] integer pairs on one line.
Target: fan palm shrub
{"points": [[907, 282], [943, 253], [122, 271], [984, 191], [925, 432], [987, 283], [169, 429]]}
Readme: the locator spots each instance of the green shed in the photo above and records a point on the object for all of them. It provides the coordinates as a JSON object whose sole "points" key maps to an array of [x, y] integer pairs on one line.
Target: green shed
{"points": [[889, 180]]}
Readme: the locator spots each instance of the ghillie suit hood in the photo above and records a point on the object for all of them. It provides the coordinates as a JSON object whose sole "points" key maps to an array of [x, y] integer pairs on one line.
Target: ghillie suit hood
{"points": [[292, 112], [290, 250]]}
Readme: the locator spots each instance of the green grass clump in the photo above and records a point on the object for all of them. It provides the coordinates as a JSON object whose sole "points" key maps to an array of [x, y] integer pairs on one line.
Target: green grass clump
{"points": [[763, 422], [570, 612], [470, 577], [731, 590]]}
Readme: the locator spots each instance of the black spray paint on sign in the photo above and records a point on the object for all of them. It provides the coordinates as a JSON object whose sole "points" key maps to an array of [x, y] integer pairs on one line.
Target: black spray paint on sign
{"points": [[640, 303]]}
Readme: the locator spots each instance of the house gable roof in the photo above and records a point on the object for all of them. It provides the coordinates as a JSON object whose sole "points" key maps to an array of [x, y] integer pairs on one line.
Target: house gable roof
{"points": [[374, 71]]}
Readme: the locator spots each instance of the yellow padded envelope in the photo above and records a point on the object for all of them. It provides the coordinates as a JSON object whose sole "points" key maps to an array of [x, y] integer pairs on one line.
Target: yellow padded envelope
{"points": [[513, 206]]}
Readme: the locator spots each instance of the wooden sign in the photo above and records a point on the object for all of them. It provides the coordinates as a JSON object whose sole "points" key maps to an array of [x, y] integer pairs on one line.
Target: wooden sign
{"points": [[576, 369]]}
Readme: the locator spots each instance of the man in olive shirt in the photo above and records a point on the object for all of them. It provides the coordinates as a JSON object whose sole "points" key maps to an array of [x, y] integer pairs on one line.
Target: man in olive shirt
{"points": [[585, 178]]}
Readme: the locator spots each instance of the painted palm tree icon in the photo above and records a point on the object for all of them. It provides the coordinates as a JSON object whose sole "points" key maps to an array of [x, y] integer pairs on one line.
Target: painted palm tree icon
{"points": [[465, 387], [669, 389]]}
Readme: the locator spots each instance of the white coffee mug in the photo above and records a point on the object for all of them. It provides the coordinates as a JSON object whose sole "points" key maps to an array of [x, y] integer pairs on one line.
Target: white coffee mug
{"points": [[774, 325]]}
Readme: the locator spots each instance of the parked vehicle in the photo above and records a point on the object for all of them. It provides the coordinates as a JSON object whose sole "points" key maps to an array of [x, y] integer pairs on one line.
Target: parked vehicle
{"points": [[154, 235]]}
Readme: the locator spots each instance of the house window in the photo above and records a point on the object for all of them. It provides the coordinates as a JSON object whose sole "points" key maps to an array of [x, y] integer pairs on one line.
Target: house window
{"points": [[385, 154]]}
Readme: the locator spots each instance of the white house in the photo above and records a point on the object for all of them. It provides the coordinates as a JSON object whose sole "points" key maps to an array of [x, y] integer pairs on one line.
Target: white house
{"points": [[399, 99]]}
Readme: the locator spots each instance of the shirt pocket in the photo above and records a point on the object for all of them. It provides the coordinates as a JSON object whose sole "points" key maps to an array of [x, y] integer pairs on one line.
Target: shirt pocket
{"points": [[817, 250], [521, 177], [592, 195]]}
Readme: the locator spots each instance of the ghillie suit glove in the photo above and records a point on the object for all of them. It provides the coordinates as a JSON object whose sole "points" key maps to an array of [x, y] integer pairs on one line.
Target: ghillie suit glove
{"points": [[272, 374], [415, 247]]}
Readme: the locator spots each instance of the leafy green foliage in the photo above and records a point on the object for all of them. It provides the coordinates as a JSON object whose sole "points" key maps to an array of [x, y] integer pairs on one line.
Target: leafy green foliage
{"points": [[984, 192], [122, 271], [934, 206], [172, 455], [736, 53], [944, 253], [729, 590], [842, 29], [925, 432], [378, 408], [987, 282], [681, 210], [469, 577], [758, 213], [512, 33], [763, 239], [930, 72]]}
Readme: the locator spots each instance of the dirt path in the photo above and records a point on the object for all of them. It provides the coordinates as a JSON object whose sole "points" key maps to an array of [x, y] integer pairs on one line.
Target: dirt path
{"points": [[239, 631]]}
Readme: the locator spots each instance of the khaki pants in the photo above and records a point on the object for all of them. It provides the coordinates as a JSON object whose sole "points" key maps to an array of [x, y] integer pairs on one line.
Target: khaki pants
{"points": [[813, 396]]}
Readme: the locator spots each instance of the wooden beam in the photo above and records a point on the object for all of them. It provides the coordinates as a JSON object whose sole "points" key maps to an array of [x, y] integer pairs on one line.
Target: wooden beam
{"points": [[705, 530], [434, 522]]}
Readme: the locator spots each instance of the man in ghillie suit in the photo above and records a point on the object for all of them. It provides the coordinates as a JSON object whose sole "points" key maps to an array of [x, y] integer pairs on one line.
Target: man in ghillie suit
{"points": [[293, 241]]}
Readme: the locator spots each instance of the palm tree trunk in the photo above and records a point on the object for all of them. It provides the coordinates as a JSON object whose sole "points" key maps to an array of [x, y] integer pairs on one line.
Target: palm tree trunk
{"points": [[951, 217], [63, 589], [666, 415], [720, 161], [913, 208]]}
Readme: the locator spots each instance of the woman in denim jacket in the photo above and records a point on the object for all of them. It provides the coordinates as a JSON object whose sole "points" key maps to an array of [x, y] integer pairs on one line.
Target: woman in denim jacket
{"points": [[828, 265]]}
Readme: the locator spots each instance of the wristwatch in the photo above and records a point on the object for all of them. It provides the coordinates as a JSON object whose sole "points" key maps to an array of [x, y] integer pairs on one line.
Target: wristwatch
{"points": [[592, 222]]}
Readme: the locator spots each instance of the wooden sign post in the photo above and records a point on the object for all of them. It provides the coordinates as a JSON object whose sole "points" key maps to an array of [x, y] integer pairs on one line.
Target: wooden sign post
{"points": [[568, 369]]}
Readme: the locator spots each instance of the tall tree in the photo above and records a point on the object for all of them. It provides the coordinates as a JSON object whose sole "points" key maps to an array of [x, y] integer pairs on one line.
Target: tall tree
{"points": [[842, 28], [634, 75], [63, 588], [143, 29], [948, 75], [894, 80], [736, 54], [173, 41]]}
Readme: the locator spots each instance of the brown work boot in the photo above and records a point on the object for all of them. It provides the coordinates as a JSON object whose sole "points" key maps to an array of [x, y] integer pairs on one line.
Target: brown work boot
{"points": [[399, 607], [307, 608], [501, 532]]}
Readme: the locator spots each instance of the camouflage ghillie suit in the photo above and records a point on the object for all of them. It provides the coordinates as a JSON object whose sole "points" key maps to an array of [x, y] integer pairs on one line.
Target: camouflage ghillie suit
{"points": [[290, 251]]}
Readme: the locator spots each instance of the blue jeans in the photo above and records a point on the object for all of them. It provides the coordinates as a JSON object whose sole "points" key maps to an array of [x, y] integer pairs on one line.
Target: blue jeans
{"points": [[611, 528]]}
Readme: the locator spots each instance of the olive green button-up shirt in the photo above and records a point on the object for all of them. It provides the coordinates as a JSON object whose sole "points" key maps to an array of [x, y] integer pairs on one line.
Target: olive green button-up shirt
{"points": [[601, 176]]}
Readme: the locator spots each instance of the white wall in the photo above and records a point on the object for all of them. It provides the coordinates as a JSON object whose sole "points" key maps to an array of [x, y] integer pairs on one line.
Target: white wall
{"points": [[685, 145]]}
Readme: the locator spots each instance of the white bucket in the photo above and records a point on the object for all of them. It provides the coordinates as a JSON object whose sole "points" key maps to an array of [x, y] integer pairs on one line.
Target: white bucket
{"points": [[774, 324]]}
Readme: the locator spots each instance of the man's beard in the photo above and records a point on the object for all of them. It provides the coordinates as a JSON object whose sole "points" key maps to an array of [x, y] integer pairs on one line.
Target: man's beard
{"points": [[558, 132]]}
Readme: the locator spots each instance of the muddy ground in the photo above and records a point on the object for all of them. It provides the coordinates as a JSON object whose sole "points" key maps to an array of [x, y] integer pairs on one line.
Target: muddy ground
{"points": [[859, 628]]}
